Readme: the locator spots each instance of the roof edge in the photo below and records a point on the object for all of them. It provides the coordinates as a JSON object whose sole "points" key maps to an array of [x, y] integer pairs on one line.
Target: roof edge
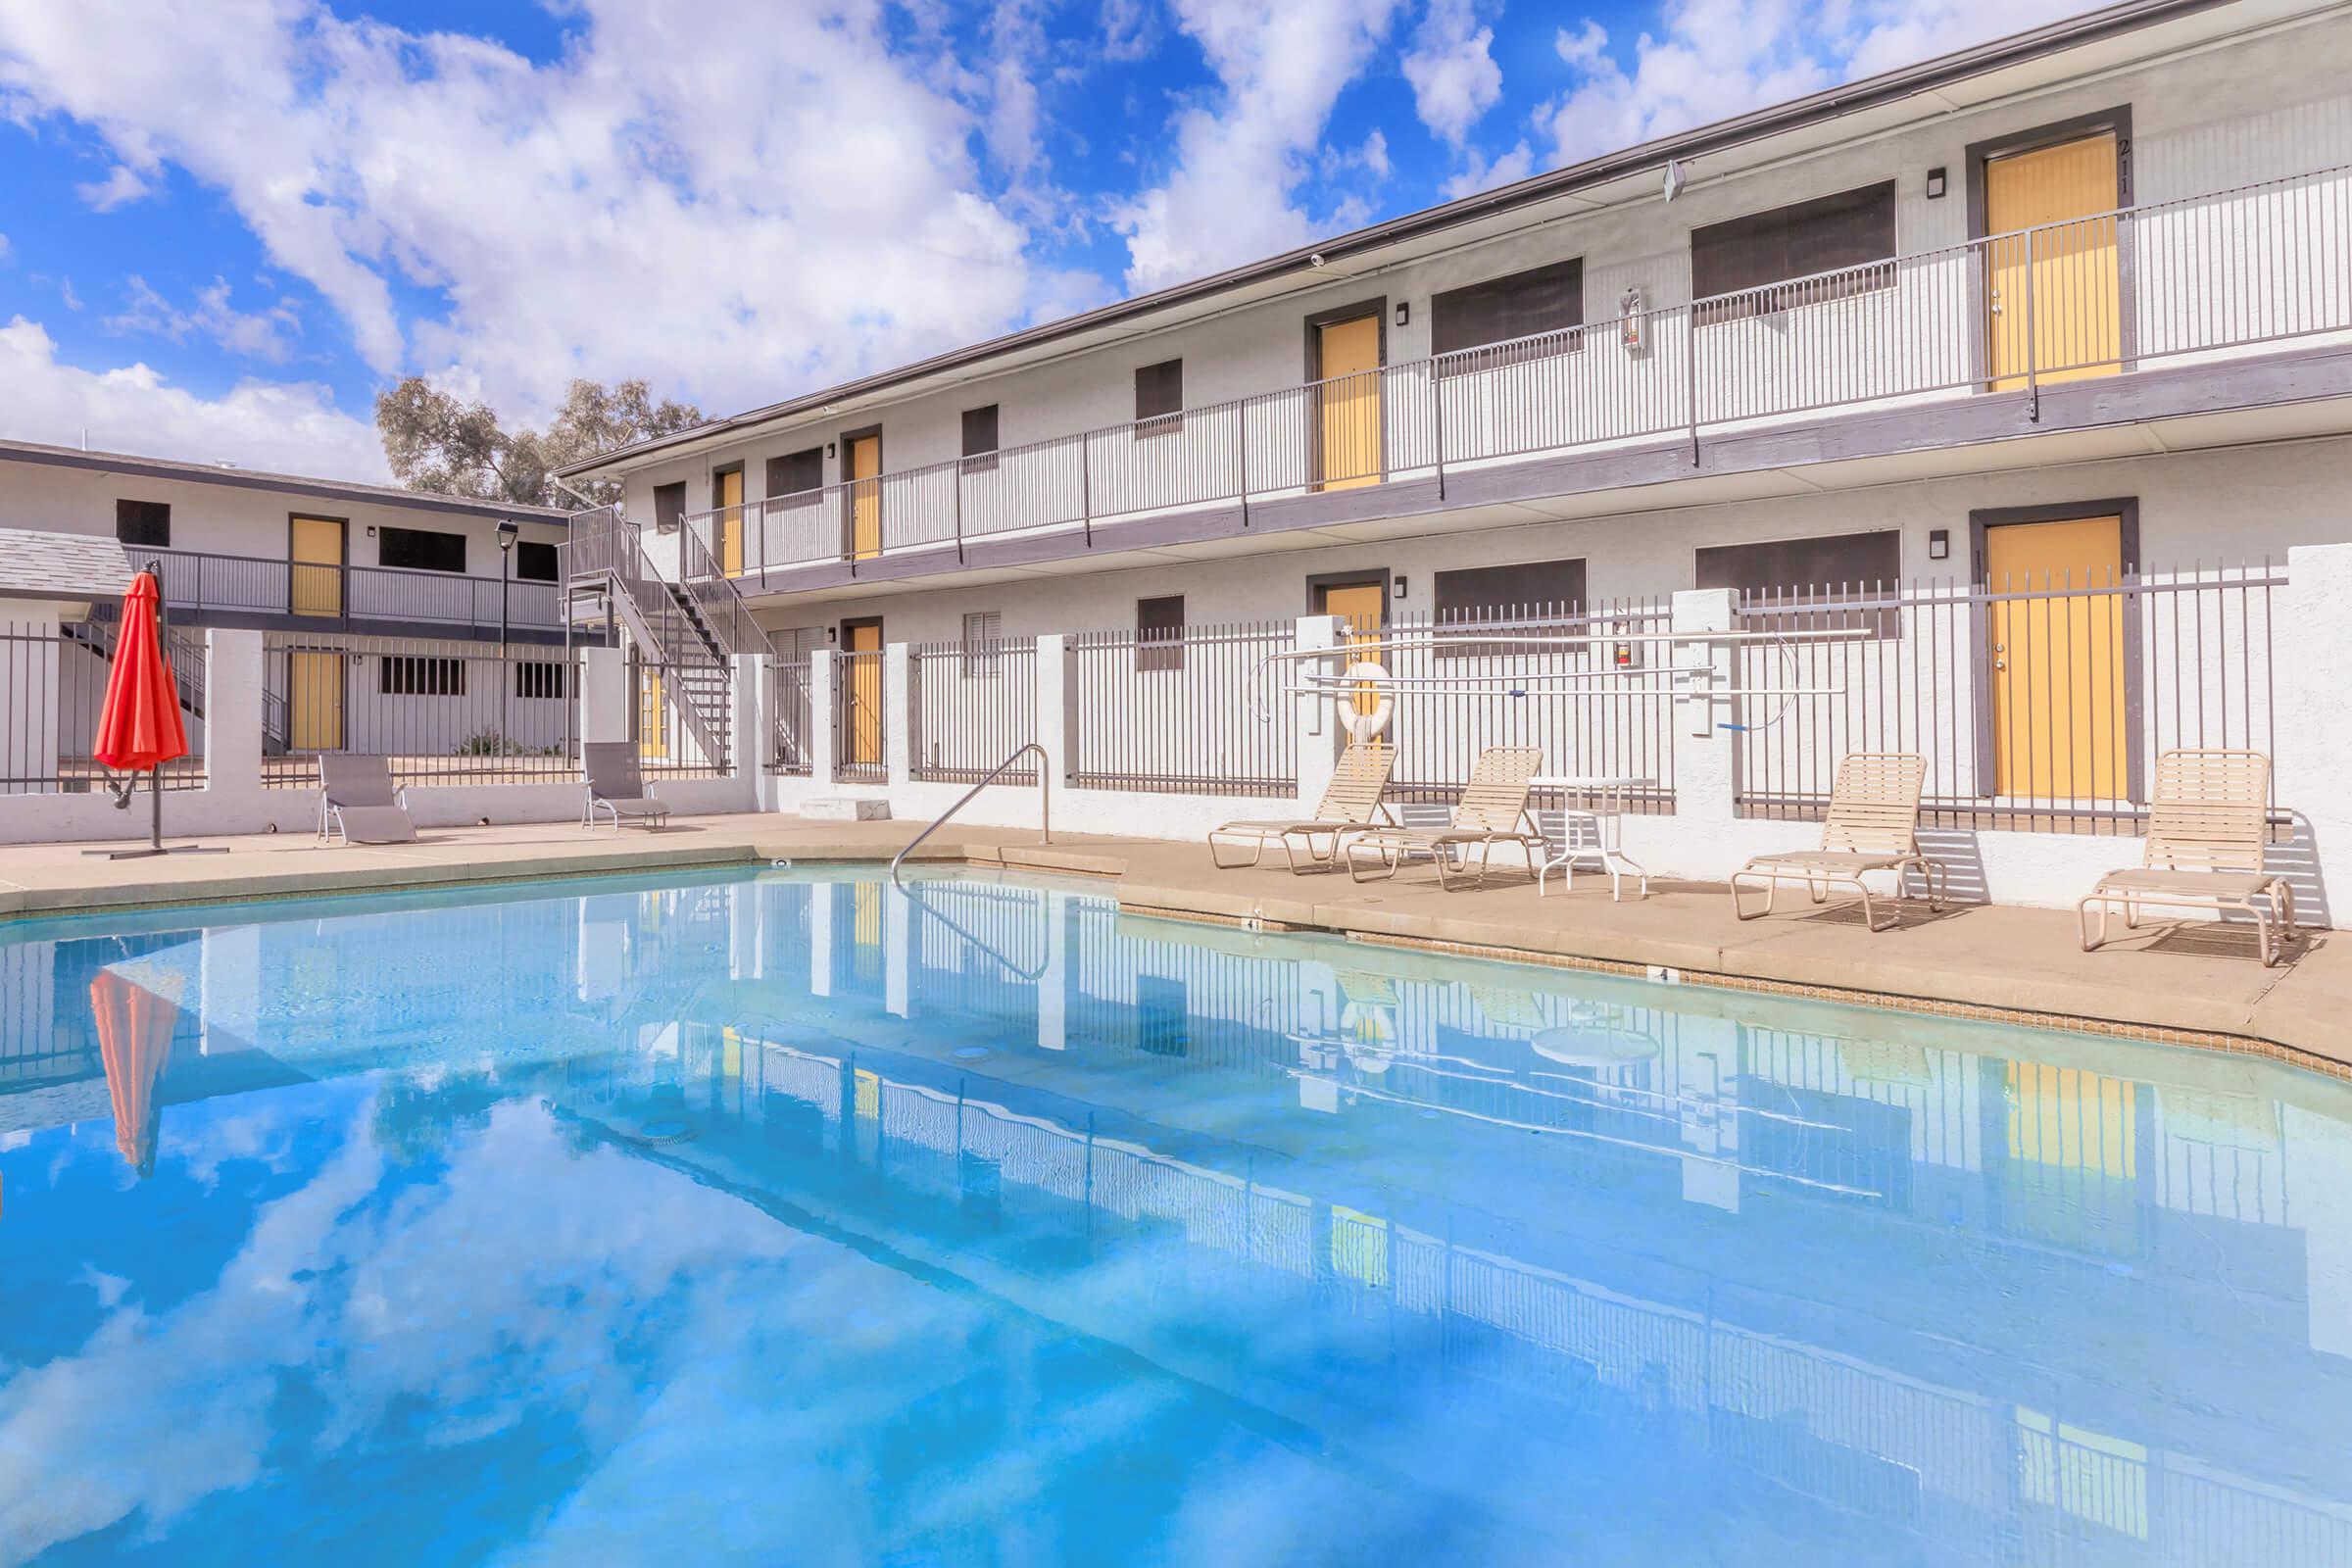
{"points": [[1797, 113], [132, 462]]}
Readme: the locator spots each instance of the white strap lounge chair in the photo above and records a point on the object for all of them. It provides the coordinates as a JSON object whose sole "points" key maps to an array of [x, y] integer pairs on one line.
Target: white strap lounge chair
{"points": [[2208, 825], [616, 785], [1351, 800], [358, 802], [1871, 825], [1493, 811]]}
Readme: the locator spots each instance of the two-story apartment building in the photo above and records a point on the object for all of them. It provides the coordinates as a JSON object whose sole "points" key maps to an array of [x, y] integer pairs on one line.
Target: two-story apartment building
{"points": [[2069, 311], [363, 592]]}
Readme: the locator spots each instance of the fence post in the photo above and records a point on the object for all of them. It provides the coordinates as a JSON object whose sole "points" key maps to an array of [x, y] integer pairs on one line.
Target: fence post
{"points": [[232, 712], [823, 742], [604, 695], [2311, 649], [1320, 736], [1056, 716], [1705, 773], [898, 715]]}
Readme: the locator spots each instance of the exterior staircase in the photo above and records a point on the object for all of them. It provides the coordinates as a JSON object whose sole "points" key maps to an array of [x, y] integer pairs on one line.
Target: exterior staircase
{"points": [[689, 626]]}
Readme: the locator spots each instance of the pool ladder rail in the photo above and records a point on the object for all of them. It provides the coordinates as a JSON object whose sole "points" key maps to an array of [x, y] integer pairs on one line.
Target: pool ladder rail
{"points": [[1044, 803]]}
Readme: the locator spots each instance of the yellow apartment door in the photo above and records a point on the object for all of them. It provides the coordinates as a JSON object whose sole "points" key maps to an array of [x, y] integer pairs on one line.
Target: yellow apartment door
{"points": [[2053, 209], [862, 642], [726, 494], [315, 549], [864, 455], [653, 734], [1347, 434], [313, 701], [2058, 713], [1363, 605]]}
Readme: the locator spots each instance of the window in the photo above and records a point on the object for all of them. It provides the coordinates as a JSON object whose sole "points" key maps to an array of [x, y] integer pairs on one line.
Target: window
{"points": [[540, 677], [796, 471], [1544, 299], [1491, 593], [1160, 633], [1807, 573], [534, 562], [982, 630], [144, 522], [980, 439], [421, 549], [1849, 230], [670, 505], [417, 675], [1159, 390]]}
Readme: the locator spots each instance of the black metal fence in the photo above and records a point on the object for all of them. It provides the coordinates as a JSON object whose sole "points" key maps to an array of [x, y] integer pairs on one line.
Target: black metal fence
{"points": [[52, 685], [2041, 703], [1193, 712], [860, 738], [1576, 681], [788, 740], [439, 713], [971, 704]]}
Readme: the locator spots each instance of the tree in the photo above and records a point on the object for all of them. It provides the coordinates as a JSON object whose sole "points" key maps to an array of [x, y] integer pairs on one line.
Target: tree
{"points": [[435, 441]]}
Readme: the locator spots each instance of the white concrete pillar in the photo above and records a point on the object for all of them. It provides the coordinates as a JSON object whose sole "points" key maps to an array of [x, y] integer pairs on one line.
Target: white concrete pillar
{"points": [[1322, 736], [233, 677], [897, 937], [898, 715], [748, 717], [823, 744], [1057, 718], [2310, 650], [1706, 777], [605, 696], [764, 789], [1054, 985]]}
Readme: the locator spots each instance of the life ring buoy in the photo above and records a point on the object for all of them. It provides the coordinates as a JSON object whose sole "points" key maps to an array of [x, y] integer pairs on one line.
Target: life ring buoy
{"points": [[1362, 725]]}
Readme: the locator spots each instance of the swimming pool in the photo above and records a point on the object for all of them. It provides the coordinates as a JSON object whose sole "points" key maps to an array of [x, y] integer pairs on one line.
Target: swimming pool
{"points": [[784, 1217]]}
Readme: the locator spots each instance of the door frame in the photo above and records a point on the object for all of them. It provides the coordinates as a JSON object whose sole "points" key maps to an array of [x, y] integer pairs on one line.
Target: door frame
{"points": [[743, 506], [342, 576], [842, 647], [1980, 153], [1980, 522], [1318, 581], [342, 662], [848, 497], [1378, 309]]}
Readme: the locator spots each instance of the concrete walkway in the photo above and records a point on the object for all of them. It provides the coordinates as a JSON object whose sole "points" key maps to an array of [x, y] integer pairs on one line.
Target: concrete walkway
{"points": [[2200, 984]]}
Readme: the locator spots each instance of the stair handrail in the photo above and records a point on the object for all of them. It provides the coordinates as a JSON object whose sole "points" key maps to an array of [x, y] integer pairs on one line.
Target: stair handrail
{"points": [[1044, 803]]}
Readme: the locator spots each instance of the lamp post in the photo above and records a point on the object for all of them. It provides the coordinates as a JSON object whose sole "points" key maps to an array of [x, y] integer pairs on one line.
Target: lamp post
{"points": [[507, 532]]}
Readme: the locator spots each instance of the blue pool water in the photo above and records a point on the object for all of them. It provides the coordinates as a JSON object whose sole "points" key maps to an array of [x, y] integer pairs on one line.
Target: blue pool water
{"points": [[776, 1219]]}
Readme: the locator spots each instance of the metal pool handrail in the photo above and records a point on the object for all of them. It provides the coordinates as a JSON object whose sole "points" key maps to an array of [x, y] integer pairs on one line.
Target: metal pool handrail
{"points": [[1044, 803]]}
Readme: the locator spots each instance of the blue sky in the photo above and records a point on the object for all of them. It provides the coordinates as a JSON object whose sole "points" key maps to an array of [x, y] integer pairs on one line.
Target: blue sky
{"points": [[224, 226]]}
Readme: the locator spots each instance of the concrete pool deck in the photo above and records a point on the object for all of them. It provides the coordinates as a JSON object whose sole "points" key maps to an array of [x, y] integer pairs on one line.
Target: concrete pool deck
{"points": [[2198, 983]]}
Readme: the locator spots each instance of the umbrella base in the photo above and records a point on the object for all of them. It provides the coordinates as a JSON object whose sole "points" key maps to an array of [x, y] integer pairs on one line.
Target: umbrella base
{"points": [[160, 849]]}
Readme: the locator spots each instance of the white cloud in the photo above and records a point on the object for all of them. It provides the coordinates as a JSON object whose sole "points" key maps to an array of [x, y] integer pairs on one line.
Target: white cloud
{"points": [[1452, 71], [1477, 175], [729, 222], [1712, 58], [1242, 157], [264, 334], [122, 184], [292, 426]]}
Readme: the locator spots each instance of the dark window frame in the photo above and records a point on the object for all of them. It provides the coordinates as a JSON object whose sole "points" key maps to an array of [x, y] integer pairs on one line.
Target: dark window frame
{"points": [[1796, 283], [982, 458], [538, 550], [779, 471], [419, 675], [1517, 348], [1809, 605], [670, 505], [390, 532], [1149, 379], [1511, 611], [1160, 643], [541, 679], [131, 515]]}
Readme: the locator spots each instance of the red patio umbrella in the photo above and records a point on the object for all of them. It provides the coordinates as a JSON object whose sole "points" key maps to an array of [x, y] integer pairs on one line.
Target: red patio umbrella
{"points": [[140, 725], [134, 1040]]}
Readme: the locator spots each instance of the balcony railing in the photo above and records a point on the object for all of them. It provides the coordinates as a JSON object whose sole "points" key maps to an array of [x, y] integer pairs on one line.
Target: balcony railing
{"points": [[200, 582], [2205, 277]]}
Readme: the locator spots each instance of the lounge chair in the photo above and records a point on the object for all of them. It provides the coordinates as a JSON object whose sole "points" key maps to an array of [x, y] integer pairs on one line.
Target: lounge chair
{"points": [[2208, 823], [1493, 811], [616, 785], [1871, 825], [1351, 800], [357, 799]]}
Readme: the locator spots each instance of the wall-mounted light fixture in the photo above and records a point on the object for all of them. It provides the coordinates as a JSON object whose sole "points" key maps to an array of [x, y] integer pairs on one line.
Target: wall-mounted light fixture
{"points": [[828, 449], [1400, 587], [1935, 184], [1940, 544], [1404, 313]]}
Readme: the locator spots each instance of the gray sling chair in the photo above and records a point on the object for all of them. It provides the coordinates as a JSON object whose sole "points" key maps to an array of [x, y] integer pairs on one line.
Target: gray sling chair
{"points": [[616, 785], [357, 799]]}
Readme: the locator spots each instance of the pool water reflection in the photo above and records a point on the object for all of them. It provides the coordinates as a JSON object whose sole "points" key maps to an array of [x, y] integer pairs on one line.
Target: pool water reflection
{"points": [[797, 1220]]}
